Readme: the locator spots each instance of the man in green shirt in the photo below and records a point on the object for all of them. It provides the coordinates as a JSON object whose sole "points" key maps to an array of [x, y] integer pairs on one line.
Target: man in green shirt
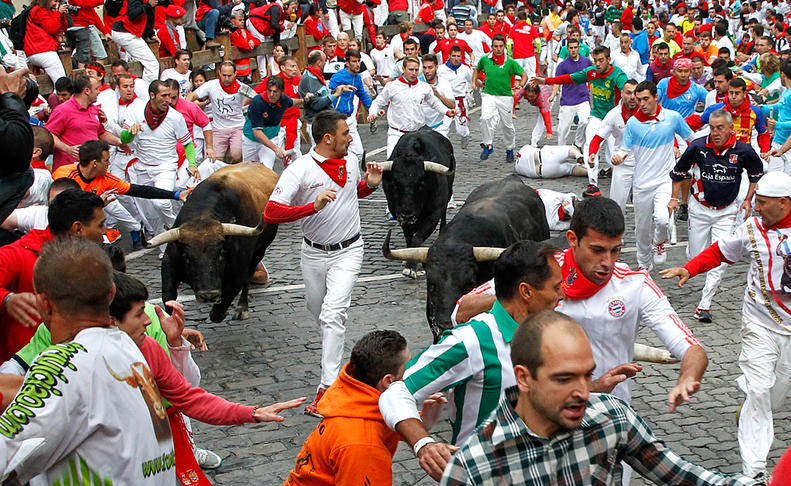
{"points": [[497, 100], [606, 82], [574, 33], [614, 12]]}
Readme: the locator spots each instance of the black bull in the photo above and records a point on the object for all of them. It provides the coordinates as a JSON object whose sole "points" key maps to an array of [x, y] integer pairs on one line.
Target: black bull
{"points": [[219, 237], [495, 215], [418, 183]]}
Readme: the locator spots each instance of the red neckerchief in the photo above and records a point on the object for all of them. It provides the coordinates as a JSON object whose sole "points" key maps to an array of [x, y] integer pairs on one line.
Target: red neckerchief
{"points": [[403, 80], [155, 119], [720, 99], [674, 90], [335, 168], [404, 36], [498, 61], [233, 88], [719, 151], [626, 114], [744, 113], [316, 72], [383, 47], [783, 223], [644, 118], [339, 52], [104, 87], [125, 103], [576, 285]]}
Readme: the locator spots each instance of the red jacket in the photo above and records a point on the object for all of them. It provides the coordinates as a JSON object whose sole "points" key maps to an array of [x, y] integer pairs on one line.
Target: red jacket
{"points": [[260, 17], [168, 45], [16, 275], [397, 5], [42, 27], [351, 7], [133, 17], [315, 26], [240, 38], [426, 13], [87, 15]]}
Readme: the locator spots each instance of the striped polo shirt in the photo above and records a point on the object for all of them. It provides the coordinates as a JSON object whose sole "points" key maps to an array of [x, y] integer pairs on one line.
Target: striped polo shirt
{"points": [[472, 363]]}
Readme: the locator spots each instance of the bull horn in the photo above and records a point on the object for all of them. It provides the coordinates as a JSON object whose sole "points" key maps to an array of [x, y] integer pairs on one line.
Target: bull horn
{"points": [[113, 373], [652, 355], [172, 234], [387, 165], [407, 254], [430, 166], [231, 229], [486, 253]]}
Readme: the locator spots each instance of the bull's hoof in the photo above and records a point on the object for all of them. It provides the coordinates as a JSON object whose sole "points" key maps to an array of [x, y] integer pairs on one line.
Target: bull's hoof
{"points": [[241, 314], [408, 272]]}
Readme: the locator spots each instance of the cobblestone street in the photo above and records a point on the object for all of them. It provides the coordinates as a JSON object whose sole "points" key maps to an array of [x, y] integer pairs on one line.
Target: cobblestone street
{"points": [[274, 355]]}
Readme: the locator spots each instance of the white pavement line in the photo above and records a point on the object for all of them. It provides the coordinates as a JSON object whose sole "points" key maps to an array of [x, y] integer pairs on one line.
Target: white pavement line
{"points": [[383, 149], [376, 278]]}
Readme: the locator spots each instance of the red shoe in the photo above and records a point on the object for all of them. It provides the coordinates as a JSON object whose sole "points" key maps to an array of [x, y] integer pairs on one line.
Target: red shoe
{"points": [[313, 408]]}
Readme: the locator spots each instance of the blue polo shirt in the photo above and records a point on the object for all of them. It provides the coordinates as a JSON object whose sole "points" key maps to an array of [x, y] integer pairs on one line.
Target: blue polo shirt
{"points": [[265, 116]]}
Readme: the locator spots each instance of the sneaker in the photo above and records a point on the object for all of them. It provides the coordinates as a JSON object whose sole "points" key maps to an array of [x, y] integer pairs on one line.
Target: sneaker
{"points": [[761, 477], [660, 253], [207, 459], [486, 152], [465, 141], [509, 156], [592, 191], [703, 315], [451, 203], [313, 408], [112, 235], [605, 172], [389, 216], [372, 126], [683, 212], [261, 275], [648, 269]]}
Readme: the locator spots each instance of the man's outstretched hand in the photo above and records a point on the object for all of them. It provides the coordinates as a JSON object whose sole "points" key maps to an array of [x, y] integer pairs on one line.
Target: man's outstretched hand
{"points": [[609, 380]]}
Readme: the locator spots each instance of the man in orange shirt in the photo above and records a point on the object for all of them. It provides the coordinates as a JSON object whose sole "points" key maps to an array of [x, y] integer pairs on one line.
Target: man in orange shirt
{"points": [[92, 176]]}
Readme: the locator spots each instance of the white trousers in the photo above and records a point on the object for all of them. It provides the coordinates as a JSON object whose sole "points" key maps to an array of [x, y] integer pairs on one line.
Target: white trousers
{"points": [[50, 62], [528, 64], [461, 120], [621, 184], [259, 152], [393, 136], [138, 50], [120, 218], [566, 117], [650, 209], [707, 225], [329, 280], [765, 362], [591, 130], [539, 130], [158, 214], [349, 21], [782, 163], [495, 110], [356, 146], [332, 22], [554, 162]]}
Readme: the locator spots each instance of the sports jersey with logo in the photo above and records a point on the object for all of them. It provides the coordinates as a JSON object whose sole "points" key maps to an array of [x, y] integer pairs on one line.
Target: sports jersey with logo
{"points": [[605, 88], [158, 147], [226, 107]]}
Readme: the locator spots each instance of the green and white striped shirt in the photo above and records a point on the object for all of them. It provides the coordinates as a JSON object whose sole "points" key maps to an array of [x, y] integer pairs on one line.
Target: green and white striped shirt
{"points": [[472, 362]]}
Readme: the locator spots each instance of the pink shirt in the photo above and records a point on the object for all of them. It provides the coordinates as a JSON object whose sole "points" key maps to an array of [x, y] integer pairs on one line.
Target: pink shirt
{"points": [[194, 402], [73, 124], [193, 114]]}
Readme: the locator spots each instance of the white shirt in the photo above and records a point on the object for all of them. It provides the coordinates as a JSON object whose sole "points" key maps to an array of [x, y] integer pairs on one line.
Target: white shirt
{"points": [[629, 64], [39, 191], [90, 420], [614, 124], [460, 79], [226, 108], [384, 60], [612, 316], [185, 85], [158, 147], [406, 104], [434, 118], [303, 180], [767, 296], [398, 43], [553, 202], [476, 40], [31, 217], [726, 42]]}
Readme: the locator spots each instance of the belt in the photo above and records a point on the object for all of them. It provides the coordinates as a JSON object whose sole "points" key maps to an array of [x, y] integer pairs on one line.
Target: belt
{"points": [[402, 131], [538, 162], [704, 203], [336, 246]]}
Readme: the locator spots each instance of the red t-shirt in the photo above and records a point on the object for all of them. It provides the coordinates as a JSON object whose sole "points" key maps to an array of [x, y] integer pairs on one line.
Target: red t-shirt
{"points": [[444, 46], [523, 35]]}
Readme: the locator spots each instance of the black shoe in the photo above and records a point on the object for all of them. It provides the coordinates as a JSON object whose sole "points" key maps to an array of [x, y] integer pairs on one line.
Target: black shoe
{"points": [[703, 315], [592, 191], [683, 213]]}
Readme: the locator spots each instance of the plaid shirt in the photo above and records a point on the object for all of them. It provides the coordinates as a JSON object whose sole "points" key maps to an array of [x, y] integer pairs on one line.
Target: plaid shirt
{"points": [[504, 451]]}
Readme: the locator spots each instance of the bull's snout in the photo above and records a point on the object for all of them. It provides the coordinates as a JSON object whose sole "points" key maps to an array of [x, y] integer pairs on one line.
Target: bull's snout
{"points": [[208, 296]]}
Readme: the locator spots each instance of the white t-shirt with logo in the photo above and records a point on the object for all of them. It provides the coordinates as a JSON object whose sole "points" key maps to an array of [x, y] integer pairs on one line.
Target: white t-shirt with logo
{"points": [[89, 408], [303, 180], [226, 108], [157, 147], [185, 85]]}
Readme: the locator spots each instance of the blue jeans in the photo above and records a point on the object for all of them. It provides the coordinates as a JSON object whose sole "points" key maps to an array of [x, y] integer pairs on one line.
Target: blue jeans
{"points": [[208, 24]]}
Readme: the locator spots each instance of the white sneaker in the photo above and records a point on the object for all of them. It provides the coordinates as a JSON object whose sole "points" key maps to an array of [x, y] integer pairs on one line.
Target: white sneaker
{"points": [[207, 459], [660, 253], [451, 203]]}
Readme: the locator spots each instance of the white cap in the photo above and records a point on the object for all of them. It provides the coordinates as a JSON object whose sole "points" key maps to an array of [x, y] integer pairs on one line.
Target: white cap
{"points": [[774, 184]]}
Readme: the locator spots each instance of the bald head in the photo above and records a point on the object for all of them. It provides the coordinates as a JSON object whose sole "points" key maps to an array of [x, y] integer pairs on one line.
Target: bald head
{"points": [[529, 339]]}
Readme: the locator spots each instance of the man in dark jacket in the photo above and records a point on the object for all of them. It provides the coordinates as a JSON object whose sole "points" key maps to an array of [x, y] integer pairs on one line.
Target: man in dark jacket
{"points": [[16, 175]]}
